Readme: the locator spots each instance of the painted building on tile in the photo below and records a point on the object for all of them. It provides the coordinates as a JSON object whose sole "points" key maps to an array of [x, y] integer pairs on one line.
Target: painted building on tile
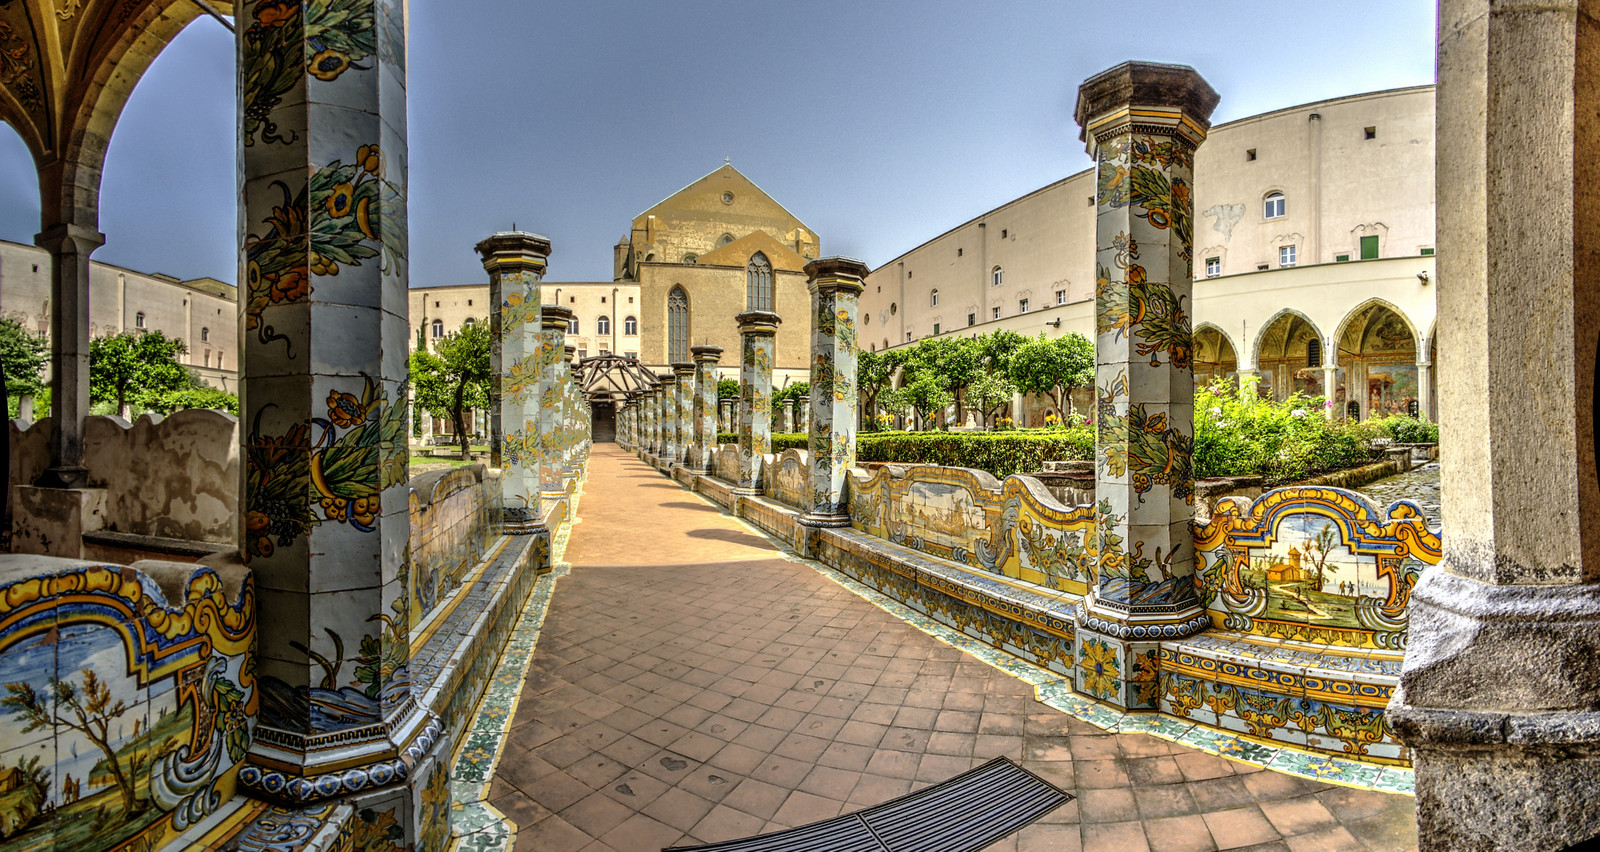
{"points": [[1313, 252]]}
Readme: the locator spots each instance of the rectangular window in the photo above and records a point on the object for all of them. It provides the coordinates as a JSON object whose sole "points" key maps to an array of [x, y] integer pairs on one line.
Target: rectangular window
{"points": [[1213, 267], [972, 319], [1249, 154], [1369, 247], [1371, 132], [1427, 252], [1022, 306], [1061, 297], [1004, 233], [572, 326], [995, 312], [958, 252], [604, 351], [1285, 256], [1341, 258], [936, 328], [1262, 267], [582, 354], [908, 337], [631, 354], [469, 302]]}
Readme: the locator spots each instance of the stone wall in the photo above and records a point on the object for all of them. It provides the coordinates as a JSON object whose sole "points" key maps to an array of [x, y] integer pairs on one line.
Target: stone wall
{"points": [[173, 477]]}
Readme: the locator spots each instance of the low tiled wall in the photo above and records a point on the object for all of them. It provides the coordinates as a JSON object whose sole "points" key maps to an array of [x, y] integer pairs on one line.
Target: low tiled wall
{"points": [[147, 671], [787, 479], [454, 518]]}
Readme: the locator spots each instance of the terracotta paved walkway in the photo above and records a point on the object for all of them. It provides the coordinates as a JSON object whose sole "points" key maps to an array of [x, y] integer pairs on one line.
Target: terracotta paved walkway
{"points": [[690, 685]]}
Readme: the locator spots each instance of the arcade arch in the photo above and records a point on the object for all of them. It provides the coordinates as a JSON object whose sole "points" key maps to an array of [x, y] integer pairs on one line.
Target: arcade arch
{"points": [[1289, 356], [1377, 346]]}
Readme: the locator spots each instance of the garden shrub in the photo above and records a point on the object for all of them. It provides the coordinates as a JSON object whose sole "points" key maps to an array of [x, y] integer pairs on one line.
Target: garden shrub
{"points": [[1405, 429], [999, 453], [1281, 442]]}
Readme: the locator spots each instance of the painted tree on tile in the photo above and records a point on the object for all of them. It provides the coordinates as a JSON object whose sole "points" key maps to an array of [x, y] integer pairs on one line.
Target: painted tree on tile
{"points": [[89, 709]]}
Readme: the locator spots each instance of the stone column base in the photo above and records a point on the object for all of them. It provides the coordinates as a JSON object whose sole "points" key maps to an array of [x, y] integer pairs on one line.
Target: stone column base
{"points": [[824, 521], [1500, 701], [52, 521]]}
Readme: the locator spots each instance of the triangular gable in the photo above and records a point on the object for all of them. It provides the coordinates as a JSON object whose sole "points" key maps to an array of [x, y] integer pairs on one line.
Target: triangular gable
{"points": [[739, 252], [705, 196]]}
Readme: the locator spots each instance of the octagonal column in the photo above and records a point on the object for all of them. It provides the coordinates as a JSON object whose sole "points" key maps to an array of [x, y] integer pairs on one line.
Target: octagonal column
{"points": [[758, 332], [322, 407], [657, 432], [515, 262], [835, 285], [704, 415], [1142, 123], [683, 410], [669, 418], [553, 323]]}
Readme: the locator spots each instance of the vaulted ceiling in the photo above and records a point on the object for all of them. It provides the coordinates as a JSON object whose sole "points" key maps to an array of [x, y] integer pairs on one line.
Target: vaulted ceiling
{"points": [[67, 68]]}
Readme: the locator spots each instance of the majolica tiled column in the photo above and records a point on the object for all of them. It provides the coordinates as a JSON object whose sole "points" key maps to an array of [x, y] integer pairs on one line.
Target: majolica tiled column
{"points": [[669, 418], [553, 323], [652, 401], [1142, 123], [835, 285], [684, 402], [758, 332], [727, 419], [704, 416], [515, 262], [657, 431], [323, 402]]}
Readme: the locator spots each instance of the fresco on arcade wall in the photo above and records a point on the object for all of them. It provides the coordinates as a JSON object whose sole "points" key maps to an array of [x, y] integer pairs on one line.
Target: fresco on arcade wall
{"points": [[1391, 389], [1314, 564], [123, 720]]}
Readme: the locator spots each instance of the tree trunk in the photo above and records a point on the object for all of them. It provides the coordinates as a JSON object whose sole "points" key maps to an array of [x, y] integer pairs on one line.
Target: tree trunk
{"points": [[461, 427]]}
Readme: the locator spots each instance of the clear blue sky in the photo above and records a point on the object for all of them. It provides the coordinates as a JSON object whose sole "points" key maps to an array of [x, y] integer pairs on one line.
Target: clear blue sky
{"points": [[879, 124]]}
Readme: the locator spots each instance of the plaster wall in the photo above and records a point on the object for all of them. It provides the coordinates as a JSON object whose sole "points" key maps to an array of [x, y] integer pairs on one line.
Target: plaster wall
{"points": [[203, 313]]}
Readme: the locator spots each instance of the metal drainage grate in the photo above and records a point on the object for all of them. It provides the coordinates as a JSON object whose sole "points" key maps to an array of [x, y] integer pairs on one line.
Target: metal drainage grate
{"points": [[962, 814]]}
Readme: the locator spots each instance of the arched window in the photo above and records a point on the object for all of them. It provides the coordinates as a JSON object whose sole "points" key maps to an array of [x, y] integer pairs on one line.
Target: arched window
{"points": [[726, 238], [602, 325], [758, 284], [438, 328], [138, 320], [933, 299], [572, 326], [205, 334], [997, 276], [630, 326], [1313, 353], [690, 258], [677, 326], [1274, 206]]}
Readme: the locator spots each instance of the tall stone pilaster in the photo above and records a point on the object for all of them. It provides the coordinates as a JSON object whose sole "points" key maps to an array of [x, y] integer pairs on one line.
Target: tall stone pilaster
{"points": [[1499, 695], [758, 331], [683, 407], [704, 416], [1142, 123], [669, 448], [323, 402], [516, 262], [835, 286], [553, 323]]}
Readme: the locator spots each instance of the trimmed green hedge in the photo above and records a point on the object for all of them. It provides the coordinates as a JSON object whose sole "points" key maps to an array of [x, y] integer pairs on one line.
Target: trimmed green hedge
{"points": [[999, 453]]}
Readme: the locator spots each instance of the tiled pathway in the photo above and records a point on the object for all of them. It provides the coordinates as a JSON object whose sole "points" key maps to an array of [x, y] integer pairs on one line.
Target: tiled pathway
{"points": [[690, 684]]}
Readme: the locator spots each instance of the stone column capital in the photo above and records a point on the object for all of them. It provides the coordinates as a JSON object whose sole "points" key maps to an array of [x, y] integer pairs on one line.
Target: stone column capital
{"points": [[665, 379], [510, 250], [682, 369], [1149, 97], [760, 323], [705, 354], [555, 317], [68, 237], [836, 275]]}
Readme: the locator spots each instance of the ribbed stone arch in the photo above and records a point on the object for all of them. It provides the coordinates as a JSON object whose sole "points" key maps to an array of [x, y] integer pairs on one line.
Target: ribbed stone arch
{"points": [[1261, 332], [1350, 316]]}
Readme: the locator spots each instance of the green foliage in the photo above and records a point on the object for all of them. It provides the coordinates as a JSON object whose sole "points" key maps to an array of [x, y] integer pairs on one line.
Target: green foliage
{"points": [[23, 356], [728, 389], [1053, 367], [1405, 429], [991, 394], [999, 453], [1241, 435], [997, 348], [874, 374], [781, 397], [455, 376], [950, 363], [135, 367], [201, 396], [928, 395]]}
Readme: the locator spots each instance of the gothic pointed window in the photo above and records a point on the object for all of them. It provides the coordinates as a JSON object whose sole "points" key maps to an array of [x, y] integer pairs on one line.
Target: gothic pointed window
{"points": [[677, 326], [758, 277]]}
